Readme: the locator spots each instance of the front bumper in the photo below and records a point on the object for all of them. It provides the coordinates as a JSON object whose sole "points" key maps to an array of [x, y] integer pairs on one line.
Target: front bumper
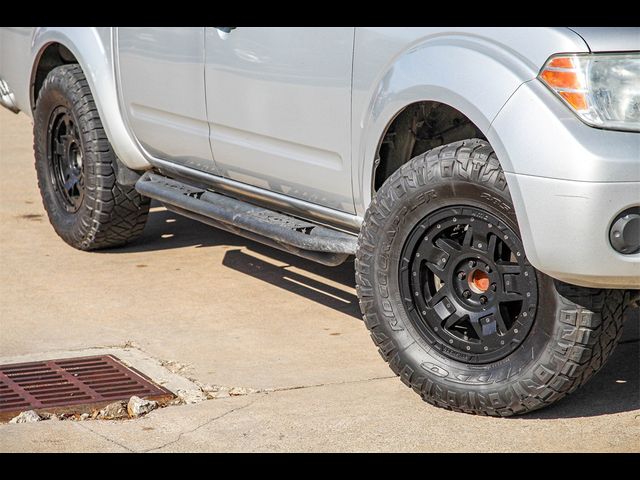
{"points": [[565, 228], [568, 182]]}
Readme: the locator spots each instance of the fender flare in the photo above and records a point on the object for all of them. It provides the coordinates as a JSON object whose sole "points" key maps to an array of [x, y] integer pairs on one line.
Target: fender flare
{"points": [[472, 74], [93, 49]]}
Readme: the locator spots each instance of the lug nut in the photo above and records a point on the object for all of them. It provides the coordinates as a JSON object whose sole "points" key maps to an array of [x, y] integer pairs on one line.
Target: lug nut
{"points": [[472, 263], [466, 294], [461, 275], [487, 269], [493, 287], [483, 300]]}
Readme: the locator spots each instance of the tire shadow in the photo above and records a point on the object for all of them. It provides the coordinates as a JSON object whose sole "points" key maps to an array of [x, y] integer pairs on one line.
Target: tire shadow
{"points": [[299, 284], [167, 230]]}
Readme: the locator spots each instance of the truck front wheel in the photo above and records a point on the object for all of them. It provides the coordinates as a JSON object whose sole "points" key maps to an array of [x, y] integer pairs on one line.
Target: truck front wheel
{"points": [[453, 304], [76, 167]]}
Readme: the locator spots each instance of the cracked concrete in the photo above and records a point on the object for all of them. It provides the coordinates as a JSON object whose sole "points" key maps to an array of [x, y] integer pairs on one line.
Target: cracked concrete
{"points": [[86, 427], [240, 314], [202, 425]]}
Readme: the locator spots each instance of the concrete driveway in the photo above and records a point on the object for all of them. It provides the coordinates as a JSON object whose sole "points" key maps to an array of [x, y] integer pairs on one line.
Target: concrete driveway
{"points": [[231, 312]]}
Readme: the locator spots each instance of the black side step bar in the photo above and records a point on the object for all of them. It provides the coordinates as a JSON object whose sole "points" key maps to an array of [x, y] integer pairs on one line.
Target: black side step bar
{"points": [[308, 240]]}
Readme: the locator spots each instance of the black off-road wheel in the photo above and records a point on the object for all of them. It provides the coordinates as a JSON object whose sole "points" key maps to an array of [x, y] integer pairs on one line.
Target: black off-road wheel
{"points": [[453, 304], [76, 168]]}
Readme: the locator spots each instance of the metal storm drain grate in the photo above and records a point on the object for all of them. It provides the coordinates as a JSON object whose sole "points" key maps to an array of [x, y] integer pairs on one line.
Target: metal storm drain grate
{"points": [[57, 386]]}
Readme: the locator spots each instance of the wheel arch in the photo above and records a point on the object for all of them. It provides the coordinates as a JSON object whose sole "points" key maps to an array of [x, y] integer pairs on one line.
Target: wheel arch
{"points": [[417, 128], [50, 56], [92, 48], [468, 75]]}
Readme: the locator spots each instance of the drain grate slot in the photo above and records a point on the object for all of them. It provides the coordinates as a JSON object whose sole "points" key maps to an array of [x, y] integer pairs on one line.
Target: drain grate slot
{"points": [[72, 384]]}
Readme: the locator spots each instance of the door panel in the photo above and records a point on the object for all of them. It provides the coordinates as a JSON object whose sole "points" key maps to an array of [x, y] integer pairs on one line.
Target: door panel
{"points": [[161, 74], [279, 109]]}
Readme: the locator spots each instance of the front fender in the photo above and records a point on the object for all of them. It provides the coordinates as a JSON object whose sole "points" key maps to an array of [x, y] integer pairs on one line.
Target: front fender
{"points": [[474, 71], [93, 48]]}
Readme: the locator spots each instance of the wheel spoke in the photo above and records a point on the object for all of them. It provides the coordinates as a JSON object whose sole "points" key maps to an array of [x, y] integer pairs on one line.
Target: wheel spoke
{"points": [[448, 246], [468, 237], [488, 325], [491, 248], [506, 297], [439, 296], [437, 272], [71, 182], [502, 327], [474, 319], [508, 268], [480, 239], [58, 148], [68, 124], [433, 255], [454, 318]]}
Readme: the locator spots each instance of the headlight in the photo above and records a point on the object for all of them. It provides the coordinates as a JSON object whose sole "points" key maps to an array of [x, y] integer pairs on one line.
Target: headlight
{"points": [[602, 89]]}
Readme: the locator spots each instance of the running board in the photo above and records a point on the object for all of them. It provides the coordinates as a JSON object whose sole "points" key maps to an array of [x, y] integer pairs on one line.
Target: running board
{"points": [[309, 240]]}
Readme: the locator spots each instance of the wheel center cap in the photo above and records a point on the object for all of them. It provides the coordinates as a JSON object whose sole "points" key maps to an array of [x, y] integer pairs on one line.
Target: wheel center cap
{"points": [[478, 281]]}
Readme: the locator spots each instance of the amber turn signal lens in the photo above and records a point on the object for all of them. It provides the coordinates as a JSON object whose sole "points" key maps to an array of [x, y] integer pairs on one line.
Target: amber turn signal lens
{"points": [[561, 79], [576, 100], [561, 62], [561, 75]]}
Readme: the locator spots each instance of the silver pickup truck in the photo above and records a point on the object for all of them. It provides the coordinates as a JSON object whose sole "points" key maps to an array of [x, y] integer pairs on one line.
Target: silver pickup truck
{"points": [[487, 180]]}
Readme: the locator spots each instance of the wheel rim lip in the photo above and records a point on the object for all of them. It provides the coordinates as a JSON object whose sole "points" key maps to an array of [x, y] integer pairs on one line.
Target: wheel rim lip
{"points": [[442, 340], [65, 164]]}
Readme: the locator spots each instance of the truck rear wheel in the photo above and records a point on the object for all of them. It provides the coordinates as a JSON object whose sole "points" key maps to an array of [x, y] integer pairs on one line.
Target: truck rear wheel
{"points": [[76, 167], [453, 304]]}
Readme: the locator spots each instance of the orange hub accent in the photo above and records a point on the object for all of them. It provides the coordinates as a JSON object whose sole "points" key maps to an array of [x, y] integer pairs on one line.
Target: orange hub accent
{"points": [[479, 281]]}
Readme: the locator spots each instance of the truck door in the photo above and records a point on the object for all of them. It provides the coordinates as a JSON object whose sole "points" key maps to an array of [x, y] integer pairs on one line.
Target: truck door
{"points": [[279, 109], [161, 80]]}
